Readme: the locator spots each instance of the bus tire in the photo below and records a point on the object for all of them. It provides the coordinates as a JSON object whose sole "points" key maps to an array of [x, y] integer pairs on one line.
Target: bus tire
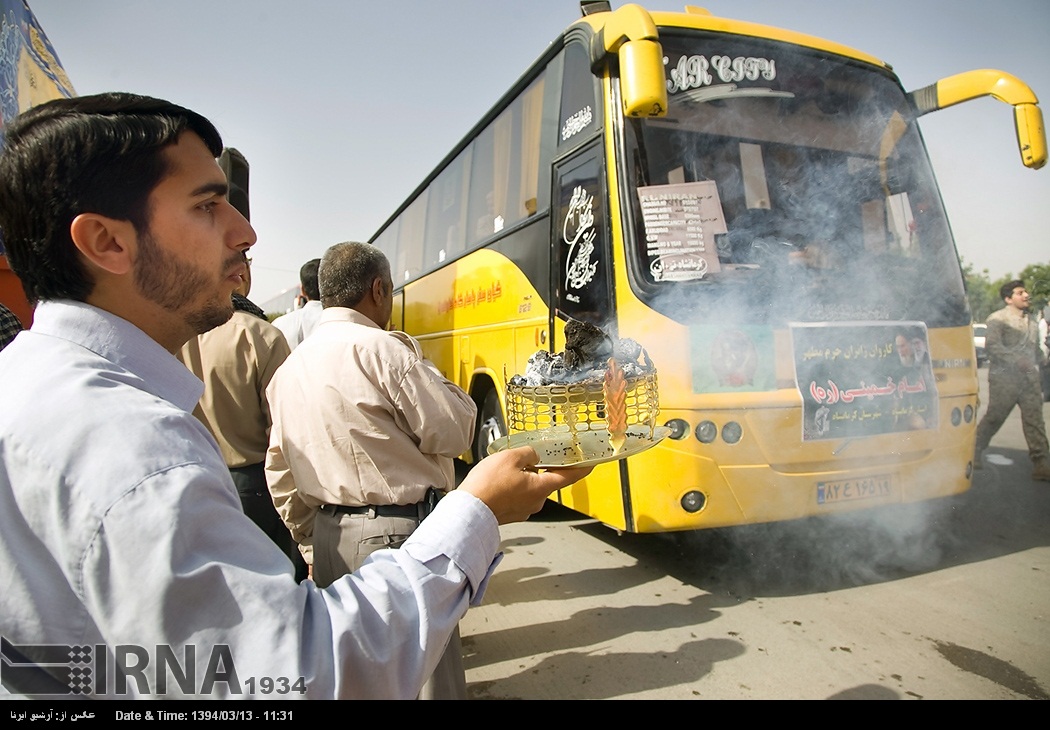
{"points": [[490, 424]]}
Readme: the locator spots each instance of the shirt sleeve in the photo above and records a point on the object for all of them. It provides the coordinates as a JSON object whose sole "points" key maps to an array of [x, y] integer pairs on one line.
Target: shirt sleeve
{"points": [[272, 353], [297, 514], [196, 576], [432, 407]]}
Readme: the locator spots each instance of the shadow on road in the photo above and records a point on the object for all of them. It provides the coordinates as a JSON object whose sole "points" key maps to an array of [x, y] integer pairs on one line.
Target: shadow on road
{"points": [[577, 674], [1004, 512]]}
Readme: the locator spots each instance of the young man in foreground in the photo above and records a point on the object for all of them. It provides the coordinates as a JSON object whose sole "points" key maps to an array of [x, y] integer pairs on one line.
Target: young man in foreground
{"points": [[120, 529]]}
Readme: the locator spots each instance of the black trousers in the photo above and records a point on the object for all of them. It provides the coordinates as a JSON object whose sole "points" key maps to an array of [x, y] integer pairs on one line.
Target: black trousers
{"points": [[257, 504]]}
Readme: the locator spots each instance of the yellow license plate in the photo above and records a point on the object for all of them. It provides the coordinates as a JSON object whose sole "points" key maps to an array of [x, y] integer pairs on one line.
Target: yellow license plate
{"points": [[848, 490]]}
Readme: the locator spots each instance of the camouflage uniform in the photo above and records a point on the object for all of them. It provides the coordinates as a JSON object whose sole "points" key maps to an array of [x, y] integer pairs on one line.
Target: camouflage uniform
{"points": [[1012, 344]]}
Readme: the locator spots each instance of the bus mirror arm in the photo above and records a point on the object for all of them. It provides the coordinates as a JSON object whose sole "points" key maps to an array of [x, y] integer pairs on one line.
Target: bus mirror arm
{"points": [[1028, 117], [631, 34]]}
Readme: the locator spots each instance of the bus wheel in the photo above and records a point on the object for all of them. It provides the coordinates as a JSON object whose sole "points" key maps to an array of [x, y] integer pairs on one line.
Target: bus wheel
{"points": [[490, 425]]}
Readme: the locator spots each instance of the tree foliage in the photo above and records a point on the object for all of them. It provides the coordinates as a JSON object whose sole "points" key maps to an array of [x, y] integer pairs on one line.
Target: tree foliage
{"points": [[983, 292]]}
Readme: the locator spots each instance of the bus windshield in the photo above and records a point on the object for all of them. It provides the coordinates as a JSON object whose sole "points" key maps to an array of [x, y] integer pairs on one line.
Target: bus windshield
{"points": [[785, 185]]}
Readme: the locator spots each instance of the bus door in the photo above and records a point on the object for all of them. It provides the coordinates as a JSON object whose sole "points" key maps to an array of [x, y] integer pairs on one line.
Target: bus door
{"points": [[581, 275], [582, 288]]}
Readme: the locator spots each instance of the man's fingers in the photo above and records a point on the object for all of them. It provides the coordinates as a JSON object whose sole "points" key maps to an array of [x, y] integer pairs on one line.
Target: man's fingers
{"points": [[511, 485], [563, 477], [524, 457]]}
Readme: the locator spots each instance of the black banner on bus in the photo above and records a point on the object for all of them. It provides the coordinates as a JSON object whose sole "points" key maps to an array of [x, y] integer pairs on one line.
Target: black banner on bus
{"points": [[863, 379]]}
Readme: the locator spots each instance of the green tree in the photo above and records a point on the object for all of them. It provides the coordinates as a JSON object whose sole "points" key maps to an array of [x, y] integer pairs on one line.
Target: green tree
{"points": [[1037, 280], [982, 293]]}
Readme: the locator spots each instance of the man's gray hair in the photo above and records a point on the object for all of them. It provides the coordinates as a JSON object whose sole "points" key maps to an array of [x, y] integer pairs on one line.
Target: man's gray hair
{"points": [[347, 272]]}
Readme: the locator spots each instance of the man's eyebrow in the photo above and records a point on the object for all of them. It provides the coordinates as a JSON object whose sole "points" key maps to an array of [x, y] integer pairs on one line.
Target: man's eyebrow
{"points": [[214, 188]]}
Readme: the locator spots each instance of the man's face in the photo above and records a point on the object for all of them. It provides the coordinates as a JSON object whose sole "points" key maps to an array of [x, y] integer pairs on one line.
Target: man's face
{"points": [[904, 351], [1019, 299], [192, 256]]}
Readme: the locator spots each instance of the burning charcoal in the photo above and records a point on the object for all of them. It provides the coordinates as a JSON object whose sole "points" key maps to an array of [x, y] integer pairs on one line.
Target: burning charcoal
{"points": [[584, 360], [585, 345]]}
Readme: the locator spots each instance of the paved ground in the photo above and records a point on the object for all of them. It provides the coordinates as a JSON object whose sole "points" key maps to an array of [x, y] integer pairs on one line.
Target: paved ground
{"points": [[946, 600]]}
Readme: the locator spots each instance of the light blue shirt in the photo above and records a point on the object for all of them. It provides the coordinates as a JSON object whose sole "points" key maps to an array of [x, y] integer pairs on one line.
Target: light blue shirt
{"points": [[297, 325], [121, 531]]}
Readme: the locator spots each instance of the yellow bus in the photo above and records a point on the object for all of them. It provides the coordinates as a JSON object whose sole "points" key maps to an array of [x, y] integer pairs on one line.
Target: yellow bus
{"points": [[756, 208]]}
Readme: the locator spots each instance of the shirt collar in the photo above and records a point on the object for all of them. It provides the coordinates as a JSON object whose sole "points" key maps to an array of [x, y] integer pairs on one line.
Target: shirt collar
{"points": [[345, 314], [122, 343]]}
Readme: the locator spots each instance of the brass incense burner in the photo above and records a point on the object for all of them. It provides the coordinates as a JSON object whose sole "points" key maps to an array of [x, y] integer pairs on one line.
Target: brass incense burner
{"points": [[595, 401], [575, 424]]}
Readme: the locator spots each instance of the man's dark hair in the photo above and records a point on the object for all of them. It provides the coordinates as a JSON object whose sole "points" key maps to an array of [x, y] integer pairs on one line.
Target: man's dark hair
{"points": [[1007, 290], [90, 154], [308, 279], [347, 272]]}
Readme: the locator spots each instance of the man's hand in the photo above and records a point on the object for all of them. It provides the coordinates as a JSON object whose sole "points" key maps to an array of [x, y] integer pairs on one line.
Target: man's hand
{"points": [[509, 485]]}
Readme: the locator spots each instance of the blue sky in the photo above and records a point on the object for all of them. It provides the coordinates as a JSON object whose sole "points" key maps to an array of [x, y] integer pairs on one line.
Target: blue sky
{"points": [[342, 106]]}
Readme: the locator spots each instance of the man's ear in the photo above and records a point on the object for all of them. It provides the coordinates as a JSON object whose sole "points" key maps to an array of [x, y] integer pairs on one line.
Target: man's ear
{"points": [[106, 243], [378, 289]]}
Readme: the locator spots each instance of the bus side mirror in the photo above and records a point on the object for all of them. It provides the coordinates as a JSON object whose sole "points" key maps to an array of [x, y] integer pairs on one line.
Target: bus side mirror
{"points": [[1031, 136], [1007, 88], [642, 82], [631, 34]]}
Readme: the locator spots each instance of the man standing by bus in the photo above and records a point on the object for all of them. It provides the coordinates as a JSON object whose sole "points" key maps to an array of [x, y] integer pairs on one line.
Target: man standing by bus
{"points": [[1012, 344], [299, 323], [364, 432]]}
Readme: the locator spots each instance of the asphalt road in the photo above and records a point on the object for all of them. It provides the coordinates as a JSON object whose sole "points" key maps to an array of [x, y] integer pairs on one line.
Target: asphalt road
{"points": [[944, 600]]}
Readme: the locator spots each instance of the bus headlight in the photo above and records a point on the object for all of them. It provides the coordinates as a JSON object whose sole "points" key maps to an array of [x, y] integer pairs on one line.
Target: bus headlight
{"points": [[693, 501], [956, 416], [679, 428], [731, 432], [968, 413], [706, 432]]}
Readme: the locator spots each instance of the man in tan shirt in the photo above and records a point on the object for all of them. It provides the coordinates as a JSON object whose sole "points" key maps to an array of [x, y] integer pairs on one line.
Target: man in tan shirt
{"points": [[364, 432], [235, 361]]}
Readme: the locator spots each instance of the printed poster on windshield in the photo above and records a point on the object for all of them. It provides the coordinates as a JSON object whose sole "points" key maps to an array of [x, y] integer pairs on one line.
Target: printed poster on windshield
{"points": [[681, 221], [863, 379]]}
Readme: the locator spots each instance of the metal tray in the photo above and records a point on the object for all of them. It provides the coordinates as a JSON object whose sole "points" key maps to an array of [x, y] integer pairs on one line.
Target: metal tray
{"points": [[555, 445]]}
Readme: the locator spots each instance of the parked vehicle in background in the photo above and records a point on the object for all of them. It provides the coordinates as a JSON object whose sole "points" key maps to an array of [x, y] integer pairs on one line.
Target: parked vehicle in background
{"points": [[979, 331]]}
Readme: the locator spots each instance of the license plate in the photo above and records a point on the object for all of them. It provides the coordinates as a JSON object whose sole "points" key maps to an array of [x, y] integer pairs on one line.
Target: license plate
{"points": [[847, 490]]}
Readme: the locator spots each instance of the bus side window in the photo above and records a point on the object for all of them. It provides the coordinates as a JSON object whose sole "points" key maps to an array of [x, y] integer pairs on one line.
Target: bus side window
{"points": [[387, 241], [446, 213], [580, 109], [528, 167], [481, 212], [410, 238], [504, 174]]}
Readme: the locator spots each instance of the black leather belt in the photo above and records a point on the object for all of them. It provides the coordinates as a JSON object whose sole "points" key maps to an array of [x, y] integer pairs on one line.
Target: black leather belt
{"points": [[381, 510], [418, 510]]}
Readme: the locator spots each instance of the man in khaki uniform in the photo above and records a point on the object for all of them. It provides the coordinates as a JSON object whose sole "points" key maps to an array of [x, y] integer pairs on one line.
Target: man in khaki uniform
{"points": [[1012, 343], [236, 361]]}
